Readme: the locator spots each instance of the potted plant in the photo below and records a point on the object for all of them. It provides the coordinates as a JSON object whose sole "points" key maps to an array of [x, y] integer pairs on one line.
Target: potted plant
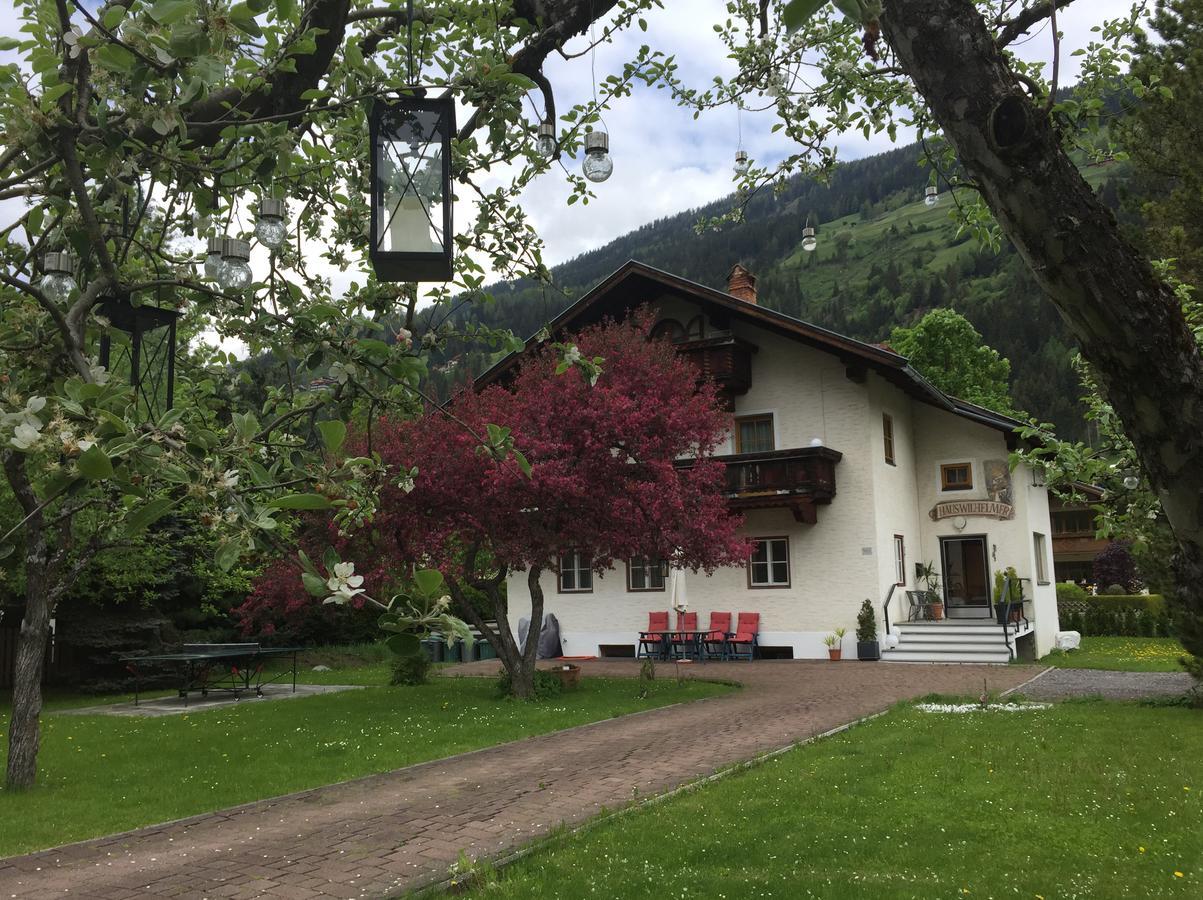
{"points": [[1002, 614], [866, 633], [926, 572], [835, 644], [569, 675]]}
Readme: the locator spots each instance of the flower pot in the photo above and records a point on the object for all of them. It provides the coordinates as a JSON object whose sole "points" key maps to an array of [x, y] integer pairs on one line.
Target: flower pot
{"points": [[833, 653], [1000, 613], [936, 611], [868, 650], [569, 675]]}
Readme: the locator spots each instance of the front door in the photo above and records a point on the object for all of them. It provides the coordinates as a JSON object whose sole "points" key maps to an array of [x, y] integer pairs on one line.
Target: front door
{"points": [[966, 576]]}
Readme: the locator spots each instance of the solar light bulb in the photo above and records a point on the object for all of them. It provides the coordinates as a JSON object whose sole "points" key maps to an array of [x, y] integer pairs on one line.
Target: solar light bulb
{"points": [[741, 162], [235, 271], [59, 279], [597, 166], [932, 195], [547, 140], [809, 242], [1131, 482], [270, 226]]}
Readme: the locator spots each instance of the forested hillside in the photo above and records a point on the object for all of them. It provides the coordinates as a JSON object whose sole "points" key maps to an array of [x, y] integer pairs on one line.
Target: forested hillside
{"points": [[884, 258]]}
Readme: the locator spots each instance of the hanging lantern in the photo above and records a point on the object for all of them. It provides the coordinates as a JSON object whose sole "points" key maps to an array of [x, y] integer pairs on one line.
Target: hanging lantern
{"points": [[741, 162], [547, 140], [271, 225], [1131, 481], [809, 242], [932, 195], [597, 166], [411, 235], [213, 257], [234, 273], [58, 279], [148, 352]]}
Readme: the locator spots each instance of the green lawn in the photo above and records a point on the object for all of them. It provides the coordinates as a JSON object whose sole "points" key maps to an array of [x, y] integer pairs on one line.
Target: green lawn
{"points": [[1128, 654], [1082, 800], [101, 774]]}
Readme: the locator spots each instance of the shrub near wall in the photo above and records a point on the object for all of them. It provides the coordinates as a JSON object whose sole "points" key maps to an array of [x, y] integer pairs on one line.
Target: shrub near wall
{"points": [[1132, 615]]}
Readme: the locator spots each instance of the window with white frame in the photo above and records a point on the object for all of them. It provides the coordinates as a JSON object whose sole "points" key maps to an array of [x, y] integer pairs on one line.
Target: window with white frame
{"points": [[1041, 548], [576, 576], [645, 574], [769, 566], [899, 560]]}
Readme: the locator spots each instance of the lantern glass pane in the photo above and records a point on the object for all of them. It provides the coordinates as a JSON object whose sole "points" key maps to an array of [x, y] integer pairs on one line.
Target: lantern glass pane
{"points": [[409, 195]]}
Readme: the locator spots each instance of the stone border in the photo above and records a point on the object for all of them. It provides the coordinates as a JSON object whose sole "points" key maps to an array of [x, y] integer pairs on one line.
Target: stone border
{"points": [[1020, 687]]}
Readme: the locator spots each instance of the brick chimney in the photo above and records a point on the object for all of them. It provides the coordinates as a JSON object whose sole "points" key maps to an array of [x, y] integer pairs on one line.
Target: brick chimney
{"points": [[741, 283]]}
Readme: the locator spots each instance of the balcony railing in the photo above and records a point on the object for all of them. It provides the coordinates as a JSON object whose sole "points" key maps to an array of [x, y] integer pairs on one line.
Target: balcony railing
{"points": [[726, 360], [797, 479]]}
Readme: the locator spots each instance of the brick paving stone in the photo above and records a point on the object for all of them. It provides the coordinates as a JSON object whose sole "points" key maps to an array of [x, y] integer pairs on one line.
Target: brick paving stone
{"points": [[382, 834]]}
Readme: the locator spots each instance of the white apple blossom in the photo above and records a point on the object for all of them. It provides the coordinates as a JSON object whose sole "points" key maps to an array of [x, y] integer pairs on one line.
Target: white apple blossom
{"points": [[25, 436], [344, 584]]}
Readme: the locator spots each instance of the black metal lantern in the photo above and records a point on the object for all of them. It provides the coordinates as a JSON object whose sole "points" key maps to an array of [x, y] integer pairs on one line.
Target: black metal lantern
{"points": [[411, 188], [148, 353]]}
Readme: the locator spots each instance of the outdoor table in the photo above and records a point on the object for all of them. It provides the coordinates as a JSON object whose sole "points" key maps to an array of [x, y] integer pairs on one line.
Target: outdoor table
{"points": [[225, 668], [691, 638]]}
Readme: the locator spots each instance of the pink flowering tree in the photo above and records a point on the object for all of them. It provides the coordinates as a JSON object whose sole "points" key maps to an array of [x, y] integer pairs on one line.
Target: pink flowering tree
{"points": [[578, 451]]}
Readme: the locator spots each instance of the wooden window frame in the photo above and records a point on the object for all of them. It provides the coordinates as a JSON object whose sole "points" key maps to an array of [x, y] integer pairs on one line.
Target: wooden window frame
{"points": [[887, 438], [900, 559], [1040, 547], [755, 417], [560, 589], [789, 569], [650, 565], [944, 467]]}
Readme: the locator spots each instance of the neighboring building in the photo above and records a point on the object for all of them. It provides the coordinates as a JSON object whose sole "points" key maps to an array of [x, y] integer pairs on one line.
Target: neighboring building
{"points": [[849, 467], [1074, 543]]}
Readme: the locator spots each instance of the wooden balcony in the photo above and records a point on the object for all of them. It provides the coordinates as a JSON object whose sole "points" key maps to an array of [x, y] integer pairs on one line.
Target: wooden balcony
{"points": [[798, 480], [726, 360]]}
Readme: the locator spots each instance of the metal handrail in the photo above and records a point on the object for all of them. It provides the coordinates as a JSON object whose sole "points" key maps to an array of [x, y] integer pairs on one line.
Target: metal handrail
{"points": [[885, 607]]}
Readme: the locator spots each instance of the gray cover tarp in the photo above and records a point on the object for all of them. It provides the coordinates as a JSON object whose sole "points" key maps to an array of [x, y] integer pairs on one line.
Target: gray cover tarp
{"points": [[549, 637]]}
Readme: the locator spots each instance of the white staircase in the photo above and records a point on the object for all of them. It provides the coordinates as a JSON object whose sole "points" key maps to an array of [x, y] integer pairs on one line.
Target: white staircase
{"points": [[954, 641]]}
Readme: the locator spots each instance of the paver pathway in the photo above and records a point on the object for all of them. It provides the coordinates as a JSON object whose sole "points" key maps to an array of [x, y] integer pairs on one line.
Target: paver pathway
{"points": [[384, 834], [1059, 684]]}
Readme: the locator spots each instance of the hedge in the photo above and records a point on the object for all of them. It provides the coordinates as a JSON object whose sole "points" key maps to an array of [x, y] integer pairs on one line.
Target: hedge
{"points": [[1120, 615]]}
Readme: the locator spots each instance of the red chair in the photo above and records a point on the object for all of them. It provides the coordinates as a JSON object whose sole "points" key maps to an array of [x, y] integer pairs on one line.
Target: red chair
{"points": [[747, 631], [714, 642], [684, 645], [653, 644]]}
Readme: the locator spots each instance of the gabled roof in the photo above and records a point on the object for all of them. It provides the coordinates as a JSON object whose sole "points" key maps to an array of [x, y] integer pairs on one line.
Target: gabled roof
{"points": [[635, 283]]}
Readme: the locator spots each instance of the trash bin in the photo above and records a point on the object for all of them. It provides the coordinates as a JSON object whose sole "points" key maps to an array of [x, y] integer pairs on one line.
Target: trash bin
{"points": [[433, 648], [484, 650], [454, 653]]}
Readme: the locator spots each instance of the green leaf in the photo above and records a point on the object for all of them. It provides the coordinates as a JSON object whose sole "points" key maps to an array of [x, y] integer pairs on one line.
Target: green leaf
{"points": [[168, 12], [798, 12], [243, 19], [429, 581], [95, 465], [140, 519], [404, 644], [114, 57], [523, 464], [330, 559], [113, 17], [7, 43], [301, 501], [314, 584], [334, 433], [227, 554]]}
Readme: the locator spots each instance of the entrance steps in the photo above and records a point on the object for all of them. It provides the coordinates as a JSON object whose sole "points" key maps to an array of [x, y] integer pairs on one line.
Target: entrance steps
{"points": [[955, 641]]}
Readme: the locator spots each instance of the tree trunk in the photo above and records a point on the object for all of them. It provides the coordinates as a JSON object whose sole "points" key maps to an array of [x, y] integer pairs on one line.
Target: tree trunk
{"points": [[1128, 322], [518, 663], [24, 732]]}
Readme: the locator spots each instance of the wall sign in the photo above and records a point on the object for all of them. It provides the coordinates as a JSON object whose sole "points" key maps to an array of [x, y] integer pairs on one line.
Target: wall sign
{"points": [[991, 508]]}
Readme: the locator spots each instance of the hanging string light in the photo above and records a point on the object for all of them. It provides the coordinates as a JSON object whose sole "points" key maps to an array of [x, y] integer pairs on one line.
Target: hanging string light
{"points": [[58, 279], [809, 241], [235, 271], [932, 195], [741, 155], [597, 165], [547, 140], [213, 257], [271, 224]]}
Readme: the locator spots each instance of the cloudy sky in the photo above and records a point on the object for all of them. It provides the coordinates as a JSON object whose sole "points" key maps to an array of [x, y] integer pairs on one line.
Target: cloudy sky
{"points": [[665, 161]]}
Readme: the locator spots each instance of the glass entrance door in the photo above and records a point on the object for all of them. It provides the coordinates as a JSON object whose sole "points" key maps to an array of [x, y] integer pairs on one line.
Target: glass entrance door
{"points": [[966, 575]]}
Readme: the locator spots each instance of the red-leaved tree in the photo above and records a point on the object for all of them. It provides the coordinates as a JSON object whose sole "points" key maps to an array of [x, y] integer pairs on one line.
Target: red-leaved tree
{"points": [[602, 477]]}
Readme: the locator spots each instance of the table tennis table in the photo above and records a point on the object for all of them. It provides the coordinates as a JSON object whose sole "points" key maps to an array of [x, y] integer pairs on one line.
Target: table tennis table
{"points": [[216, 668]]}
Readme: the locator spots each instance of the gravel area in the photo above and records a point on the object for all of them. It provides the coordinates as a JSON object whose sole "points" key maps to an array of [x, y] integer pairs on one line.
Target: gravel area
{"points": [[1060, 684]]}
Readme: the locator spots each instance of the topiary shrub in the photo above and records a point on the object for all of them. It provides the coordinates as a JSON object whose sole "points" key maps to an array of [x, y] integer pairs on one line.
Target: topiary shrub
{"points": [[866, 623], [412, 669], [1067, 590]]}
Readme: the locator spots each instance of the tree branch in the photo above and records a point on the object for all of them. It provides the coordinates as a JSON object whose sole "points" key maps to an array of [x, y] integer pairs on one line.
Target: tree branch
{"points": [[1025, 19]]}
